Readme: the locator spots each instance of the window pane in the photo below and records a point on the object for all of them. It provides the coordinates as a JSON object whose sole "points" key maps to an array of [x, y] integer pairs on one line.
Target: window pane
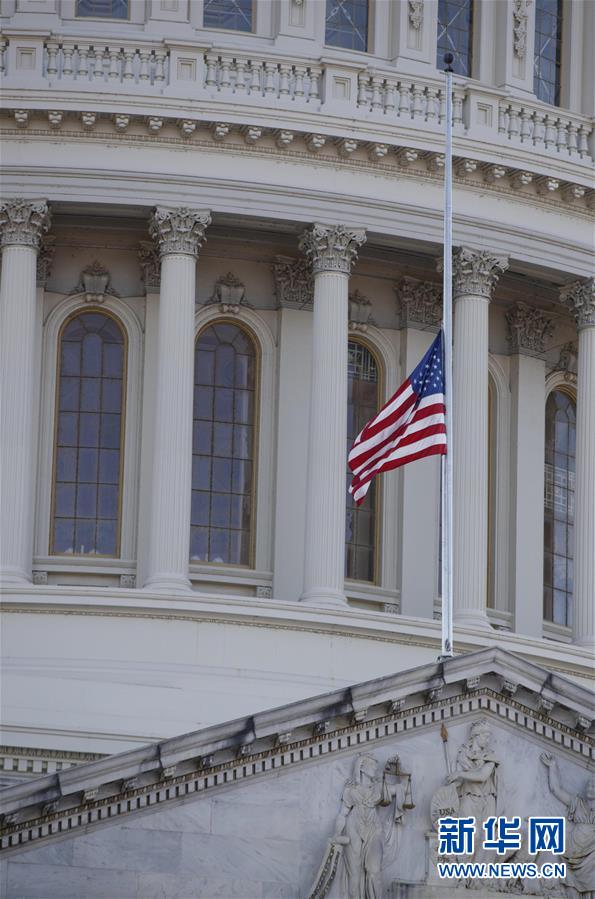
{"points": [[455, 34], [548, 48], [347, 24], [223, 445], [363, 402], [88, 436], [560, 442], [103, 9], [233, 14]]}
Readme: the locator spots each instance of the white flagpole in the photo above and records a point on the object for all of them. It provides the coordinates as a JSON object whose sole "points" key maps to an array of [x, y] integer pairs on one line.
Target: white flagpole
{"points": [[446, 492]]}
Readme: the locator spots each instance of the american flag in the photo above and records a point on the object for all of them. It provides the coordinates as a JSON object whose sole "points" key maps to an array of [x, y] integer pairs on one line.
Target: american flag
{"points": [[410, 426]]}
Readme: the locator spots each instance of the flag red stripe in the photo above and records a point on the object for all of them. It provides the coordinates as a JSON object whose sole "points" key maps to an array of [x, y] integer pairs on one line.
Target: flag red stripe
{"points": [[362, 461], [408, 440], [438, 449]]}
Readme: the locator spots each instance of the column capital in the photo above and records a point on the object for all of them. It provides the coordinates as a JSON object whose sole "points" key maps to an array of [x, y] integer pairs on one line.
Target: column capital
{"points": [[528, 328], [332, 248], [579, 297], [420, 302], [476, 272], [180, 230], [23, 222]]}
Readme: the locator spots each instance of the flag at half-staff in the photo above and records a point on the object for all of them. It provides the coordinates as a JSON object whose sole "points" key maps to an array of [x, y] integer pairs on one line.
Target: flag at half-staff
{"points": [[410, 426]]}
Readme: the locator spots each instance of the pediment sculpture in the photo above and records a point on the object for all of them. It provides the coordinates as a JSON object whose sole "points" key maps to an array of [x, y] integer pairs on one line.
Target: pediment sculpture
{"points": [[580, 844], [365, 841]]}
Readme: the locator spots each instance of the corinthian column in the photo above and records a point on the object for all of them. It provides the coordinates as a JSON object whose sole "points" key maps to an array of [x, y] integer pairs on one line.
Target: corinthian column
{"points": [[580, 297], [332, 250], [179, 234], [22, 225], [475, 274]]}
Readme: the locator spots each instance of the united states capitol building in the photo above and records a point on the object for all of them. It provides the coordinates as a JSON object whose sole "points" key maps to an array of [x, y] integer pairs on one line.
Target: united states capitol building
{"points": [[221, 224]]}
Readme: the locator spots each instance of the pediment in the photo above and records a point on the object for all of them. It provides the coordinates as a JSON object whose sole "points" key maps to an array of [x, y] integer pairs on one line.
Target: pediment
{"points": [[255, 801]]}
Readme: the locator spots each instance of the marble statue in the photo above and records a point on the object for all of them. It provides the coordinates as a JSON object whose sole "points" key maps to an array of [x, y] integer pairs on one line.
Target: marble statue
{"points": [[363, 844], [471, 789], [580, 841]]}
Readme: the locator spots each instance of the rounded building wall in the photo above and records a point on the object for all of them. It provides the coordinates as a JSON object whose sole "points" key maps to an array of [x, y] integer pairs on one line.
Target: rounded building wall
{"points": [[254, 137]]}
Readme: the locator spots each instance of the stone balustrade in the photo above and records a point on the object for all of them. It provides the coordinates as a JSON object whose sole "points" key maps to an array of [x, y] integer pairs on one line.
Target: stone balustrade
{"points": [[368, 98], [235, 76], [86, 62]]}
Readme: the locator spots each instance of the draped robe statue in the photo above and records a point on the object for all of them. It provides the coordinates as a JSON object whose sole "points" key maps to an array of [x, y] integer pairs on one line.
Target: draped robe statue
{"points": [[580, 841]]}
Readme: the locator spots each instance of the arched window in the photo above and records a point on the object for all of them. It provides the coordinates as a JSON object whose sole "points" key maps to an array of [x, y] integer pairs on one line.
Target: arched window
{"points": [[223, 450], [548, 50], [346, 24], [455, 34], [560, 454], [89, 436], [362, 404], [236, 15]]}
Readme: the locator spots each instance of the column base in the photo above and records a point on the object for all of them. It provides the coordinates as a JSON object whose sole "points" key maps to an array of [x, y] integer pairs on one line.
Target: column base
{"points": [[587, 643], [324, 599], [472, 618], [168, 583]]}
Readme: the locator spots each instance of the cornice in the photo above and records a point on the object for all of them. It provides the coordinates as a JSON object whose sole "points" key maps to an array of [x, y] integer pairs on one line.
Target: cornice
{"points": [[526, 183]]}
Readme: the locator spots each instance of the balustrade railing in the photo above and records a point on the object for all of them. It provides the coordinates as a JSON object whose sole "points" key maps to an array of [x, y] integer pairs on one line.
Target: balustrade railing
{"points": [[81, 61], [530, 125], [479, 112], [239, 76]]}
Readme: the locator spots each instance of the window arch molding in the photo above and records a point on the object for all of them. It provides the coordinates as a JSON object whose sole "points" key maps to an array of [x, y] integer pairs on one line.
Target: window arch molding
{"points": [[387, 359], [500, 514], [265, 345], [55, 321]]}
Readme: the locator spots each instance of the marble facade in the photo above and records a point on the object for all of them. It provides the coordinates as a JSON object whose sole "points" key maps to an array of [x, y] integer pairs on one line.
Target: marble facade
{"points": [[269, 796]]}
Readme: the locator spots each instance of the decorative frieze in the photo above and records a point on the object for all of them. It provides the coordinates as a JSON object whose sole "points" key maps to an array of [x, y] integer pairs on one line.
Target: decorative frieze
{"points": [[150, 265], [579, 297], [420, 302], [528, 328], [476, 272], [520, 14], [23, 223], [180, 231], [332, 248], [294, 282], [360, 312], [229, 293], [94, 283]]}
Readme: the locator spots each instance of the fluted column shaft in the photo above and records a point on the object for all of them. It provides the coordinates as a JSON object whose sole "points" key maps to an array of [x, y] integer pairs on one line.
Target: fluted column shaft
{"points": [[474, 276], [179, 234], [580, 296], [21, 227], [332, 250]]}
